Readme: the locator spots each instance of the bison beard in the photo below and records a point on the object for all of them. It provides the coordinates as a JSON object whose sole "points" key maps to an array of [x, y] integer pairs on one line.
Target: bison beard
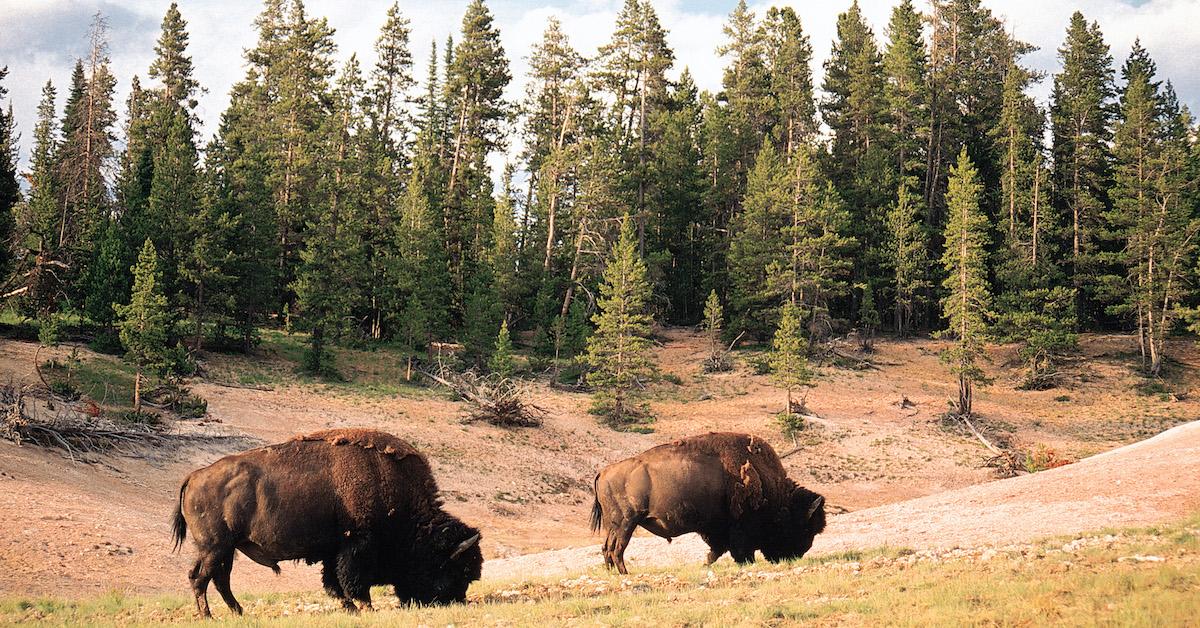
{"points": [[730, 488], [362, 503]]}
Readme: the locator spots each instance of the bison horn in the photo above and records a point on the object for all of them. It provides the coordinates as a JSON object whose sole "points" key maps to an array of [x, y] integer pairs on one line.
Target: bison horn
{"points": [[816, 505], [464, 546]]}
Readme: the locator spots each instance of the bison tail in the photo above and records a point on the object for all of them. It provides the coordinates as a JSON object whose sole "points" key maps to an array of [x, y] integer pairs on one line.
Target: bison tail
{"points": [[597, 512], [179, 524]]}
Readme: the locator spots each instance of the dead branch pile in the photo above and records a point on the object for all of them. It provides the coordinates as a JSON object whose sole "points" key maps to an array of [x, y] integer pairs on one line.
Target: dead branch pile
{"points": [[498, 400], [24, 419]]}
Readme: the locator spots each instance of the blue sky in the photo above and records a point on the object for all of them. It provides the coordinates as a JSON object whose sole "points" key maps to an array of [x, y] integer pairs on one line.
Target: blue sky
{"points": [[41, 38]]}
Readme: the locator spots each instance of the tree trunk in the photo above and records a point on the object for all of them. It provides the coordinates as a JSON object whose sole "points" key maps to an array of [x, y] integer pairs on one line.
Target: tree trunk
{"points": [[137, 391]]}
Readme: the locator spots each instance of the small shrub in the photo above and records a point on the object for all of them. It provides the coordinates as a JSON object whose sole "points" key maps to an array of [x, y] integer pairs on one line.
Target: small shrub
{"points": [[760, 364], [1063, 398], [107, 342], [719, 363], [672, 378], [64, 390], [1042, 458], [539, 364], [791, 423], [143, 418]]}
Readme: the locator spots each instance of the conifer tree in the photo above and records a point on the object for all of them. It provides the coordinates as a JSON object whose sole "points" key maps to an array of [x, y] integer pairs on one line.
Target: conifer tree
{"points": [[907, 256], [619, 350], [1081, 116], [1158, 232], [906, 90], [860, 168], [43, 221], [746, 93], [476, 76], [679, 230], [237, 172], [714, 320], [10, 191], [172, 66], [107, 280], [967, 303], [83, 159], [816, 244], [868, 317], [145, 323], [789, 58], [789, 356], [501, 362], [419, 270], [758, 244]]}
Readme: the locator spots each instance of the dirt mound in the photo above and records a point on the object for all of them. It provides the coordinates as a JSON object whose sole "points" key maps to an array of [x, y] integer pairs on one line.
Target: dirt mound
{"points": [[1153, 481]]}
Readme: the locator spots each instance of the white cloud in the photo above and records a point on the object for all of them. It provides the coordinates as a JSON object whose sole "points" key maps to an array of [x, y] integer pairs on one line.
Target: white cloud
{"points": [[38, 40]]}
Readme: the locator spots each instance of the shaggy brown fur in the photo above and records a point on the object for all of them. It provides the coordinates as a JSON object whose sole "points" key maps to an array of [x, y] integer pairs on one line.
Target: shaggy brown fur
{"points": [[730, 488], [362, 503]]}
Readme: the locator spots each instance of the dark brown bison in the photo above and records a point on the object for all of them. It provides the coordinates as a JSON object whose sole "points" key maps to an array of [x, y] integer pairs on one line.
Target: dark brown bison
{"points": [[730, 488], [362, 503]]}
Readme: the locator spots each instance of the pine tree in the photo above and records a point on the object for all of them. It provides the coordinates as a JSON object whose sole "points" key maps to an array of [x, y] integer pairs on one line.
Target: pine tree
{"points": [[619, 350], [907, 256], [145, 323], [789, 58], [1156, 230], [174, 196], [42, 221], [746, 93], [1081, 115], [789, 356], [758, 244], [172, 66], [967, 303], [107, 280], [906, 90], [84, 157], [815, 244], [1032, 306], [501, 362], [10, 191], [860, 168], [419, 271], [476, 76], [714, 320], [237, 172], [678, 229], [868, 317]]}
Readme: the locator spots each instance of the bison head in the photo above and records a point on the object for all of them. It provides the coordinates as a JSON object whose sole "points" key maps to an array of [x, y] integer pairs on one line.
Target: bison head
{"points": [[451, 561], [801, 520]]}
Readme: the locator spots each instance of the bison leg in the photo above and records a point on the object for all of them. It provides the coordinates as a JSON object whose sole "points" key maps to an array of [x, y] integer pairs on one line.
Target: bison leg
{"points": [[202, 572], [221, 582], [329, 578], [621, 536], [740, 547], [717, 546], [352, 563]]}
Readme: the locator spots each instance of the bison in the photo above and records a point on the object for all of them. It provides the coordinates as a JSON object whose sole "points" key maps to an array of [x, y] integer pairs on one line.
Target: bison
{"points": [[730, 488], [362, 503]]}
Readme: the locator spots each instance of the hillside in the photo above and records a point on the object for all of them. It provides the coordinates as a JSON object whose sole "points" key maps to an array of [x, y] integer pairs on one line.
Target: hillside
{"points": [[80, 529]]}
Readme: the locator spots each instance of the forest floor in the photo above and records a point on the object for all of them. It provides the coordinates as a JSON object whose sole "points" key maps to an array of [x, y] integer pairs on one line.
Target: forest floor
{"points": [[77, 529]]}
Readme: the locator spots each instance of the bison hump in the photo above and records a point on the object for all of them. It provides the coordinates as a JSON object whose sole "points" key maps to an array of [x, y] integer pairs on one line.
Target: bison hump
{"points": [[388, 444]]}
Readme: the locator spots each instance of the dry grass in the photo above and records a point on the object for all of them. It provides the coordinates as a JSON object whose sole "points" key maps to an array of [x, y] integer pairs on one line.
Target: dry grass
{"points": [[1148, 577]]}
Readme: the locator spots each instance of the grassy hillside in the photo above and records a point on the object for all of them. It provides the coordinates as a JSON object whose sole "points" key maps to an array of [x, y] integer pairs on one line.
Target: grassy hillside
{"points": [[1143, 577]]}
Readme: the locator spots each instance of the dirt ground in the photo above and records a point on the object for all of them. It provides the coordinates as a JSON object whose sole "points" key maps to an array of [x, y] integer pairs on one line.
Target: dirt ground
{"points": [[75, 529]]}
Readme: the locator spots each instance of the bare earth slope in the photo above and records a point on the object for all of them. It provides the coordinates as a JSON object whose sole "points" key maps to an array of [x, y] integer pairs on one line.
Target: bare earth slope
{"points": [[71, 529], [1153, 481]]}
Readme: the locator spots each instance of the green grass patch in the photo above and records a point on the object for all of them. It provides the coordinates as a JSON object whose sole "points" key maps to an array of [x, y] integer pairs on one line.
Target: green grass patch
{"points": [[1044, 586]]}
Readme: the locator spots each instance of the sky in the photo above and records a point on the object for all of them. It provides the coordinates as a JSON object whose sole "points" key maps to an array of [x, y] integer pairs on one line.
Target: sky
{"points": [[40, 39]]}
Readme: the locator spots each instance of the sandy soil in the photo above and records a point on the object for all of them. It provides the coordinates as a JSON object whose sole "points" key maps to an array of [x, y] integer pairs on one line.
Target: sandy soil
{"points": [[74, 529]]}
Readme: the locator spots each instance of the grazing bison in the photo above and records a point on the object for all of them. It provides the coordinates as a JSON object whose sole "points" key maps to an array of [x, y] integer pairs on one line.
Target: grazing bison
{"points": [[362, 503], [730, 488]]}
